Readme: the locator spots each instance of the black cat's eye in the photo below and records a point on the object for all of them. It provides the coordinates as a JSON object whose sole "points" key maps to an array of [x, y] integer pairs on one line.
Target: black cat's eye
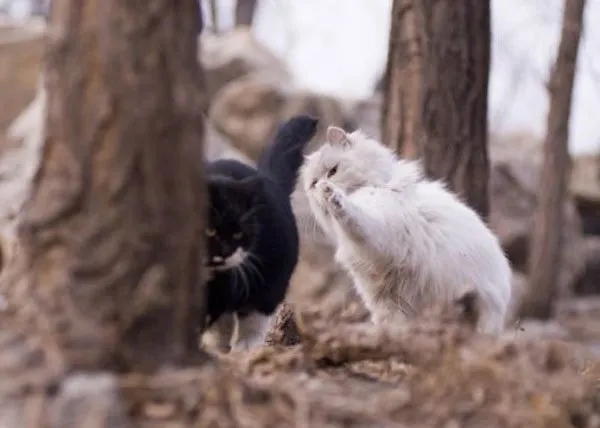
{"points": [[332, 171], [238, 236], [210, 232]]}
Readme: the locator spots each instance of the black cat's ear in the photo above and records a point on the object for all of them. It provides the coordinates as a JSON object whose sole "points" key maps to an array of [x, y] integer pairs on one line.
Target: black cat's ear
{"points": [[253, 186], [219, 188]]}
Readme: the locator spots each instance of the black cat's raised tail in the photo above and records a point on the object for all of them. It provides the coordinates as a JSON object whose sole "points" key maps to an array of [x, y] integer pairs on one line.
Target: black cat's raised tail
{"points": [[284, 156]]}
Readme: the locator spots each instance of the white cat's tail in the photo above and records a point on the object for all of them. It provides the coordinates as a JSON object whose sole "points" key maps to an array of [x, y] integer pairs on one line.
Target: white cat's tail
{"points": [[406, 175], [486, 310], [491, 322], [494, 300]]}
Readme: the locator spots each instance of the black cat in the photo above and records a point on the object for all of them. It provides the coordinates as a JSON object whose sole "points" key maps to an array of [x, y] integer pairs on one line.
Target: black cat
{"points": [[252, 238]]}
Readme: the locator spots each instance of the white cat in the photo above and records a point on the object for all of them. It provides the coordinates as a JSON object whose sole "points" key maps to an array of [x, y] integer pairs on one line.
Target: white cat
{"points": [[406, 241]]}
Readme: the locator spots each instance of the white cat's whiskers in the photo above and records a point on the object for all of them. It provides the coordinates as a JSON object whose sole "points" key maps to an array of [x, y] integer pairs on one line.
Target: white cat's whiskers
{"points": [[310, 227], [315, 230]]}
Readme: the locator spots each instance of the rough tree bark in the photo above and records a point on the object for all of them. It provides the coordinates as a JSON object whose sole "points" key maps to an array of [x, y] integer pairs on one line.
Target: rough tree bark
{"points": [[436, 97], [244, 12], [402, 82], [546, 245], [110, 241]]}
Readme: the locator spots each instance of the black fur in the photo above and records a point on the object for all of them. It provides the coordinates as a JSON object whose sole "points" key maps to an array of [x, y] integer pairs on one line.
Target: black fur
{"points": [[251, 208]]}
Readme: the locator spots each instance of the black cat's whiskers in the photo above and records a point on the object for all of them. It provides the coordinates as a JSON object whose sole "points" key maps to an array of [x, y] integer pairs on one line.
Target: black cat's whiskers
{"points": [[245, 269], [239, 272], [252, 261]]}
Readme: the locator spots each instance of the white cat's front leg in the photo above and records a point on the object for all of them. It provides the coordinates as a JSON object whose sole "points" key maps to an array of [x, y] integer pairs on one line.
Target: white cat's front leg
{"points": [[252, 331]]}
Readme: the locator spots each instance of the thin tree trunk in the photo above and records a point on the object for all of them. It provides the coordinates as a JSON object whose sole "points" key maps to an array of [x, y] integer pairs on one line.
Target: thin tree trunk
{"points": [[214, 15], [436, 101], [546, 246], [111, 237], [244, 12], [401, 83]]}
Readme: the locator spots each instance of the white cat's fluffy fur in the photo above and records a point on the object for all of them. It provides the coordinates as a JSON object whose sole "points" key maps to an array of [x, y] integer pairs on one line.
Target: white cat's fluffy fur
{"points": [[406, 241]]}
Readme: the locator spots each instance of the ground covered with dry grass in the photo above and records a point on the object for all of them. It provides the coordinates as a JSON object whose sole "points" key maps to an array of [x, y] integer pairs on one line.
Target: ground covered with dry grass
{"points": [[434, 372], [430, 374]]}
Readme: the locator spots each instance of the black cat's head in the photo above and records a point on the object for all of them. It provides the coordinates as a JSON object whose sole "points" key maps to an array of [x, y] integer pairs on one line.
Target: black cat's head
{"points": [[233, 224]]}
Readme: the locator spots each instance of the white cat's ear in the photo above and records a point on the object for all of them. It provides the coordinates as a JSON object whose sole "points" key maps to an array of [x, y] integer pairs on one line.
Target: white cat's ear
{"points": [[337, 136]]}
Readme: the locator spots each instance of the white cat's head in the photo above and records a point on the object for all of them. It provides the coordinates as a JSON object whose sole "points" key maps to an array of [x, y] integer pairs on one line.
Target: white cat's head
{"points": [[349, 160]]}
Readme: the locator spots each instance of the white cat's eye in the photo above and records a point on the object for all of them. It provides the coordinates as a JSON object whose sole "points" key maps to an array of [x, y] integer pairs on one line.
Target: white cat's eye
{"points": [[332, 171], [238, 235], [210, 232]]}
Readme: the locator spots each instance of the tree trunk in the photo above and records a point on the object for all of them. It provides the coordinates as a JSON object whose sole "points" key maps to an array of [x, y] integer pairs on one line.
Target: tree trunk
{"points": [[214, 15], [546, 246], [401, 83], [244, 12], [436, 98], [111, 239]]}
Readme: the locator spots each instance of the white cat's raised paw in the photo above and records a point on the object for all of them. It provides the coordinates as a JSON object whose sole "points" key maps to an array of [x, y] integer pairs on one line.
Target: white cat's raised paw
{"points": [[332, 196], [336, 202]]}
